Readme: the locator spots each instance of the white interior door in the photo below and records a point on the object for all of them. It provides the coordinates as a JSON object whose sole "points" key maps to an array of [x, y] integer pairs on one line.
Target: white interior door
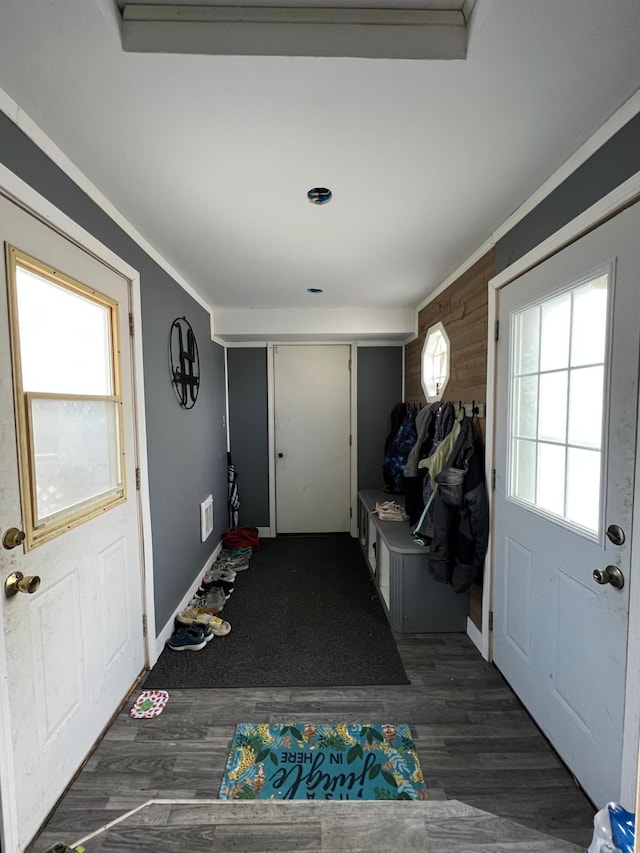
{"points": [[70, 651], [312, 394], [565, 449]]}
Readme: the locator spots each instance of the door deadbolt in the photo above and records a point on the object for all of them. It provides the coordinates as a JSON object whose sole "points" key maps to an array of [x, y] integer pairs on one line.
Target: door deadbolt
{"points": [[12, 538], [615, 534], [611, 574], [17, 582]]}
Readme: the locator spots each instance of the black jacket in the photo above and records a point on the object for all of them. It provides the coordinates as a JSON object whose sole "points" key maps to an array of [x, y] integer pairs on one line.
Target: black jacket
{"points": [[461, 514]]}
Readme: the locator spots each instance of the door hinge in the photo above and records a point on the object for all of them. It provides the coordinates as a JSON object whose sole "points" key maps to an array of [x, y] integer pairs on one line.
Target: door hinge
{"points": [[350, 440], [349, 365], [350, 512], [491, 620], [144, 624], [493, 479], [138, 480], [132, 326], [497, 335]]}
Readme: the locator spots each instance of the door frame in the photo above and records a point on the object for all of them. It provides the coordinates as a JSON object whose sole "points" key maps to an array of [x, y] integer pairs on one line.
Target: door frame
{"points": [[613, 203], [19, 192], [271, 418]]}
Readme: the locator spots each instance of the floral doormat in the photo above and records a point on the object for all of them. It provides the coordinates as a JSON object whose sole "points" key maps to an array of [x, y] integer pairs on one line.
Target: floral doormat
{"points": [[309, 761]]}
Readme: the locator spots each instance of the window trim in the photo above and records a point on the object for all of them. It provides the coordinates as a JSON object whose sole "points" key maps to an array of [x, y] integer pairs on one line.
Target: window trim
{"points": [[605, 269], [436, 328], [80, 513]]}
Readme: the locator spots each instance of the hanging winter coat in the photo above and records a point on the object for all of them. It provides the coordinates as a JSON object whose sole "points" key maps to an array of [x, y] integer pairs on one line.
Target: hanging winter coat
{"points": [[397, 447], [412, 476], [460, 514]]}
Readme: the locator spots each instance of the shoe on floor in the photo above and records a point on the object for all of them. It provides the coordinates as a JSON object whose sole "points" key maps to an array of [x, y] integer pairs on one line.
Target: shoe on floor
{"points": [[192, 638], [226, 586], [195, 616], [215, 597], [230, 565], [219, 627], [212, 602], [214, 574], [227, 553]]}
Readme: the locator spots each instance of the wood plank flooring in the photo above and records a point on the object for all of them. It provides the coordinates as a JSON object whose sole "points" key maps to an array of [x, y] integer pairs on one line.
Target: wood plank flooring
{"points": [[476, 744]]}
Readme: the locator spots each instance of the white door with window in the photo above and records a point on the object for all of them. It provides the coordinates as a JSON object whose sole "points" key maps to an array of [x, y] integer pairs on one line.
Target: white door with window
{"points": [[565, 452], [312, 394], [72, 647]]}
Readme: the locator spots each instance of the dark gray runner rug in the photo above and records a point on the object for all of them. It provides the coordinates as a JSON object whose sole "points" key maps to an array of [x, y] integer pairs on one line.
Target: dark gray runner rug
{"points": [[305, 614]]}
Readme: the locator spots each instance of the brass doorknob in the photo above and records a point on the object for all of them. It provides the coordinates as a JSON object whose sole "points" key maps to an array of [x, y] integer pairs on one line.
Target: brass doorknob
{"points": [[17, 582], [12, 538]]}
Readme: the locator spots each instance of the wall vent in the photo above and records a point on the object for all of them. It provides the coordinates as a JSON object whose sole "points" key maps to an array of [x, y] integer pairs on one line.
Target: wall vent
{"points": [[206, 518]]}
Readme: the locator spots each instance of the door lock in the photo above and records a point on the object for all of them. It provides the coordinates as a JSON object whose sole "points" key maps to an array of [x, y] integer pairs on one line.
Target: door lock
{"points": [[12, 538], [611, 574], [17, 582], [615, 534]]}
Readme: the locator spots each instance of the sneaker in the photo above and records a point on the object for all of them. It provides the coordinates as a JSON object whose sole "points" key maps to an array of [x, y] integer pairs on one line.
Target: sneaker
{"points": [[212, 602], [186, 639], [215, 597], [216, 574], [395, 514], [227, 553], [201, 605], [383, 506], [219, 627], [194, 615], [208, 632], [232, 565], [234, 557]]}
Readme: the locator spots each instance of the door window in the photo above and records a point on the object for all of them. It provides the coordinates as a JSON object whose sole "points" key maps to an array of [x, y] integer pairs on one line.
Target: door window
{"points": [[558, 370], [67, 398]]}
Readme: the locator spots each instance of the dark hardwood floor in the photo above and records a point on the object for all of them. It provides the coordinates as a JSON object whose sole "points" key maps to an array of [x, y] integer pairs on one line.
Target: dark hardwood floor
{"points": [[476, 743]]}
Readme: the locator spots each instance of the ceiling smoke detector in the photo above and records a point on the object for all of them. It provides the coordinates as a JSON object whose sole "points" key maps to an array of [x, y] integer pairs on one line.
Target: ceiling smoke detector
{"points": [[319, 195]]}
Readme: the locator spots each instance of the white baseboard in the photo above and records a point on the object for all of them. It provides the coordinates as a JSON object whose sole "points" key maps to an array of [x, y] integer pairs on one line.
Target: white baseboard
{"points": [[169, 628], [265, 533], [474, 634]]}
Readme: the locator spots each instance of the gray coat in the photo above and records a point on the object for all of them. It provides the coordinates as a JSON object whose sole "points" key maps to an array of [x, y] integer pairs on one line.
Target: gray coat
{"points": [[461, 516], [423, 422]]}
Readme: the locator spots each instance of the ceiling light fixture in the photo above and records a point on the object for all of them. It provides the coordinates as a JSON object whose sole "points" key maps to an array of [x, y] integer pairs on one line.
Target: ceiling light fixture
{"points": [[319, 195]]}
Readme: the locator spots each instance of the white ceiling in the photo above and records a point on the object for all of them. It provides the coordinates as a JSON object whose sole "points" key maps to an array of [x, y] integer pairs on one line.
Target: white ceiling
{"points": [[210, 157]]}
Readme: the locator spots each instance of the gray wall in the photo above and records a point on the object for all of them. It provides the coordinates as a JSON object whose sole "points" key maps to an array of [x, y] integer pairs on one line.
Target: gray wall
{"points": [[186, 449], [611, 165], [379, 389], [248, 431]]}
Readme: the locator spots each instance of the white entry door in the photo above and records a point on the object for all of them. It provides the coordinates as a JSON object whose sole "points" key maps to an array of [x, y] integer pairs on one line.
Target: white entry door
{"points": [[71, 649], [565, 448], [312, 393]]}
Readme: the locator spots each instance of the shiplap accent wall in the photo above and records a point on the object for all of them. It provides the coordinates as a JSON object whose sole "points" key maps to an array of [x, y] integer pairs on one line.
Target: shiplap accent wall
{"points": [[463, 311]]}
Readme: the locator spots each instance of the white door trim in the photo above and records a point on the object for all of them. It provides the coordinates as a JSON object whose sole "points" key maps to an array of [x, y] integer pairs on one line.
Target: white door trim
{"points": [[20, 192], [586, 221], [271, 426]]}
